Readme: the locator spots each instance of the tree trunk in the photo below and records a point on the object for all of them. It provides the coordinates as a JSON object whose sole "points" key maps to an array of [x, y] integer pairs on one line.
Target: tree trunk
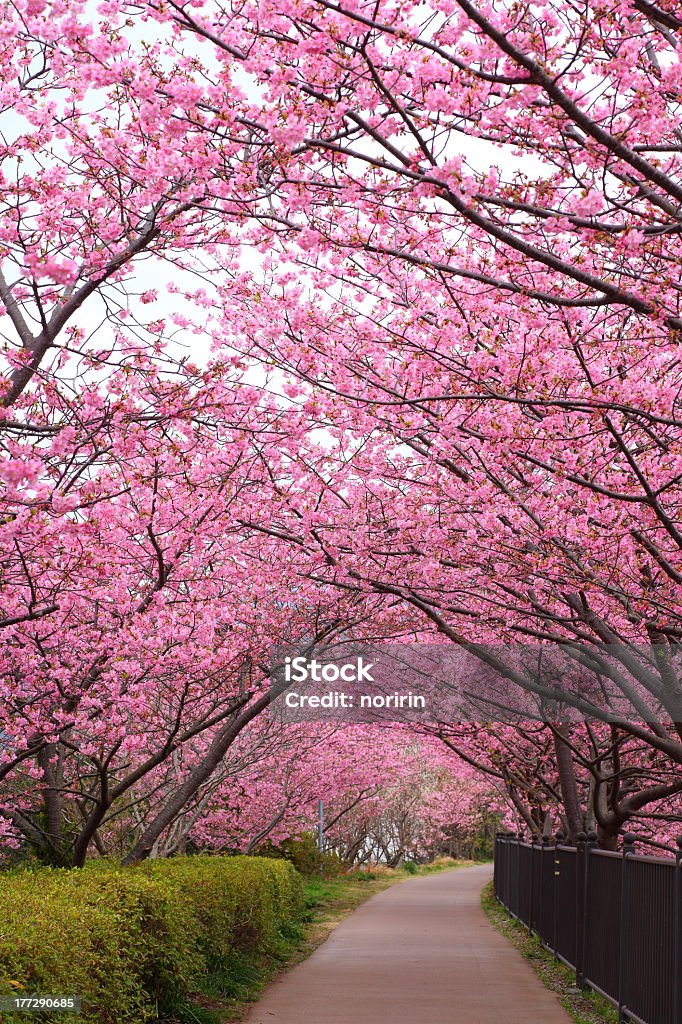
{"points": [[568, 786], [49, 761], [199, 774]]}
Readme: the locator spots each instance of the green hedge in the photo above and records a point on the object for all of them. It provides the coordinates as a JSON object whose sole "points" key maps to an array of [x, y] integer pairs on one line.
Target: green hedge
{"points": [[135, 942], [302, 852]]}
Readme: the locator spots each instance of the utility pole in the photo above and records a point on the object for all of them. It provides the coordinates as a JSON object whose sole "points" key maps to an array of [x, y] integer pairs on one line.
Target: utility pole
{"points": [[320, 825]]}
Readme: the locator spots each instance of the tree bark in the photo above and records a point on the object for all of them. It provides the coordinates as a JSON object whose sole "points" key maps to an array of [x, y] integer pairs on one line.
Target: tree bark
{"points": [[196, 778], [568, 785]]}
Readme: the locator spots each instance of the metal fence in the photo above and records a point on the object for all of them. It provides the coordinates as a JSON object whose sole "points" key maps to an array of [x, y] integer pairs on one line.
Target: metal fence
{"points": [[615, 918]]}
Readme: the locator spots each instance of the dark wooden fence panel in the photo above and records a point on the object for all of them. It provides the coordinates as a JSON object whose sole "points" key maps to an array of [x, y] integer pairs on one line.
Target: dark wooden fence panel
{"points": [[602, 925], [525, 861], [566, 904], [649, 940], [616, 918]]}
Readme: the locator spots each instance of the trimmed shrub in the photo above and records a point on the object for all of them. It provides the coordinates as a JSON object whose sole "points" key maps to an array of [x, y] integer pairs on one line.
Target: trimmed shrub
{"points": [[302, 852], [135, 942]]}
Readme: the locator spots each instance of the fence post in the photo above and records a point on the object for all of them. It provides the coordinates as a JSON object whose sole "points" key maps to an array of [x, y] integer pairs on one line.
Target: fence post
{"points": [[507, 872], [531, 883], [531, 872], [543, 910], [589, 844], [537, 884], [580, 854], [505, 869], [555, 885], [513, 862], [496, 864], [677, 974], [625, 929], [542, 843], [581, 839], [520, 904]]}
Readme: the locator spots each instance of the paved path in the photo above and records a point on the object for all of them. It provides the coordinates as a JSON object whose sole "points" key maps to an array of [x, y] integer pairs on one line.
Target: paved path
{"points": [[421, 952]]}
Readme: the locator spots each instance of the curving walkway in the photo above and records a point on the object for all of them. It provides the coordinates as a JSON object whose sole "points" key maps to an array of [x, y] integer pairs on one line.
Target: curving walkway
{"points": [[421, 952]]}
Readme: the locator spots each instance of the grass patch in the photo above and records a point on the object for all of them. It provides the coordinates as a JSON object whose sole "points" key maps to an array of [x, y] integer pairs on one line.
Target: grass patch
{"points": [[584, 1007], [227, 996]]}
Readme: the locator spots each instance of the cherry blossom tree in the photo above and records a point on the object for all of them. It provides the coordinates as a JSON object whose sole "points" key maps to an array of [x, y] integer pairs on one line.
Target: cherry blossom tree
{"points": [[387, 795], [441, 397]]}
